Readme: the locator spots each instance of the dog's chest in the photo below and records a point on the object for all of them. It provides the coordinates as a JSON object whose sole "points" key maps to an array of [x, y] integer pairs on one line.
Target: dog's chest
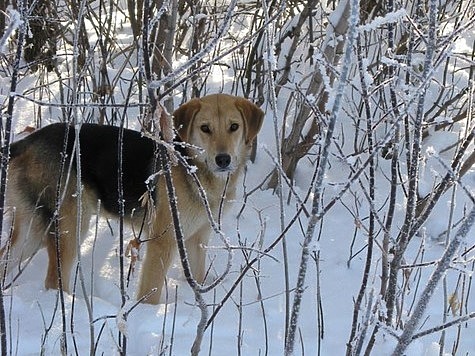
{"points": [[195, 206]]}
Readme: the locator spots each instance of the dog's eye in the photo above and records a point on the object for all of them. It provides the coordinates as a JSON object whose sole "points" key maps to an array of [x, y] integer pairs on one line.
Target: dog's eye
{"points": [[234, 127], [205, 128]]}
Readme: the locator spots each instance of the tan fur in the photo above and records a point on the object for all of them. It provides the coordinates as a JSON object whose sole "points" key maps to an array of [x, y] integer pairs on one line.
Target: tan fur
{"points": [[218, 115]]}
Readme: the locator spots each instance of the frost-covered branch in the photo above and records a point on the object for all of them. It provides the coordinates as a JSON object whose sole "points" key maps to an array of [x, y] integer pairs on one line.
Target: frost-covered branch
{"points": [[442, 266], [270, 65], [372, 218], [293, 146], [165, 164], [199, 56], [321, 169], [413, 173], [5, 149], [15, 22], [449, 324]]}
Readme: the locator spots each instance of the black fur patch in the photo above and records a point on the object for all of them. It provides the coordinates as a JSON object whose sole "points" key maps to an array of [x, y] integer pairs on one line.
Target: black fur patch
{"points": [[100, 164], [99, 146]]}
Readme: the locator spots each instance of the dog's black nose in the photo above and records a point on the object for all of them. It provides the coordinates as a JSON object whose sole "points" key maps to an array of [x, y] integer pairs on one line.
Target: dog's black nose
{"points": [[223, 160]]}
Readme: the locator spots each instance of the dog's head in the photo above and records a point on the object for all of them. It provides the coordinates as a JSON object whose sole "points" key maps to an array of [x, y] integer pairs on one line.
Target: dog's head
{"points": [[224, 126]]}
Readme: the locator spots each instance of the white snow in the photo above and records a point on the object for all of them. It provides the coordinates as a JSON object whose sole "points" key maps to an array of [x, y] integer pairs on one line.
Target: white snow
{"points": [[252, 321]]}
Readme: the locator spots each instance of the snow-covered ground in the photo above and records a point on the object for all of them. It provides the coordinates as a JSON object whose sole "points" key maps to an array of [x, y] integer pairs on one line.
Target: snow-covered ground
{"points": [[252, 321]]}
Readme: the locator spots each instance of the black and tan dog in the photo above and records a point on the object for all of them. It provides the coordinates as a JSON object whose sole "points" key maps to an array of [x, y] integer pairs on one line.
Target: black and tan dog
{"points": [[223, 126]]}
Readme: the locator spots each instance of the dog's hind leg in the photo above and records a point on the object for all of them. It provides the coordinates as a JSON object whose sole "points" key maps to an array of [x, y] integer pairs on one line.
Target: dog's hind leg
{"points": [[23, 238], [61, 255], [62, 245]]}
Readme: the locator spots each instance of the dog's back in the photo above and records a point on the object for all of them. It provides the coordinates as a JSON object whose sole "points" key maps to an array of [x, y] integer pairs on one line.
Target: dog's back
{"points": [[36, 161]]}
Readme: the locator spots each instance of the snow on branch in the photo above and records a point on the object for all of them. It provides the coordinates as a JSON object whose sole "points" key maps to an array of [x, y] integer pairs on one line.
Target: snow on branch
{"points": [[15, 22], [380, 21]]}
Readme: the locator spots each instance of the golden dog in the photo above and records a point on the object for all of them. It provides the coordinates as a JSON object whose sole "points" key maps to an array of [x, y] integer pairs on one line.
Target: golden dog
{"points": [[42, 197]]}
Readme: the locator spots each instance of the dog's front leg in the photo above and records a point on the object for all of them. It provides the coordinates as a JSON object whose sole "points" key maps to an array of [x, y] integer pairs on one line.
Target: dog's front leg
{"points": [[196, 252], [159, 254]]}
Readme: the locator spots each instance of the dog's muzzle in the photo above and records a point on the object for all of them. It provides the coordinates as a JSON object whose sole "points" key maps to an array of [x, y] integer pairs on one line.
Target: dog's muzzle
{"points": [[223, 160]]}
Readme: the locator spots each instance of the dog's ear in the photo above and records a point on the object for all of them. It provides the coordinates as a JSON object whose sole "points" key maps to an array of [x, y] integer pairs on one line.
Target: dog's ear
{"points": [[253, 117], [183, 117]]}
